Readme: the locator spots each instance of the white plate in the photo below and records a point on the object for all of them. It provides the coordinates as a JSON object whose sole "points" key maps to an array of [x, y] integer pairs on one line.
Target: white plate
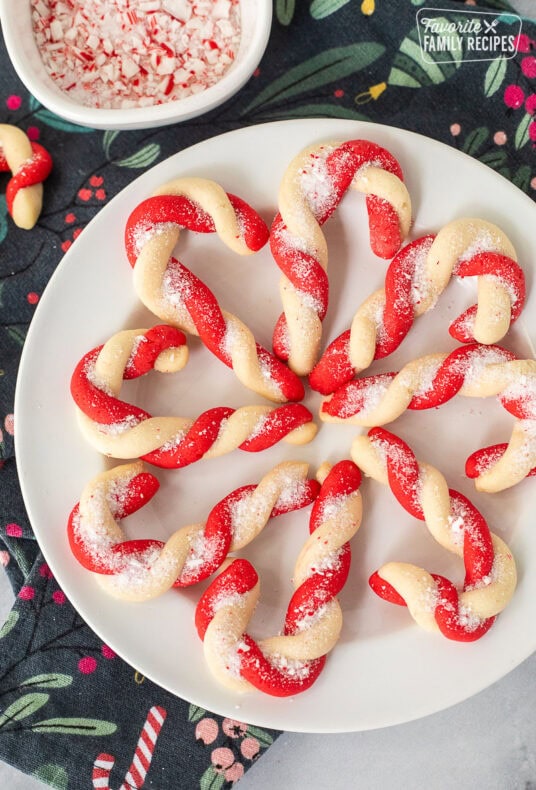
{"points": [[385, 669]]}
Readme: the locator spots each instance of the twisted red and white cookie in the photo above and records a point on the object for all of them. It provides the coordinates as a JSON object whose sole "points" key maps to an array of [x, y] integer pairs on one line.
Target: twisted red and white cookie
{"points": [[177, 296], [137, 570], [414, 281], [290, 663], [120, 430], [311, 189], [475, 371], [30, 164], [455, 523]]}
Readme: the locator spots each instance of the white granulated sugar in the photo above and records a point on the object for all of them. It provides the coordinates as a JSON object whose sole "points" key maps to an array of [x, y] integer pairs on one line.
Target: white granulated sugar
{"points": [[136, 569], [118, 428], [427, 373], [484, 241], [468, 619], [293, 668], [90, 373], [317, 184], [420, 284], [309, 302], [247, 512], [311, 618], [175, 287], [258, 428], [142, 233], [202, 552], [364, 400], [291, 494], [523, 390], [472, 366], [328, 563], [173, 443], [330, 507]]}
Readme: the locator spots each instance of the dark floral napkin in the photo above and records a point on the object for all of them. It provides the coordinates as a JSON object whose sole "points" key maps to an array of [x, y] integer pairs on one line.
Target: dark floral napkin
{"points": [[71, 712]]}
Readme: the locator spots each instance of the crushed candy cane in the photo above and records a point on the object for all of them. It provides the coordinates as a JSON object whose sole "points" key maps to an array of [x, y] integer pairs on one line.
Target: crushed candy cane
{"points": [[119, 54]]}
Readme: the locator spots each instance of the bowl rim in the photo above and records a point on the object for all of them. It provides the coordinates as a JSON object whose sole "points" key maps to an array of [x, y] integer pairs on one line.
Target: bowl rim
{"points": [[136, 117]]}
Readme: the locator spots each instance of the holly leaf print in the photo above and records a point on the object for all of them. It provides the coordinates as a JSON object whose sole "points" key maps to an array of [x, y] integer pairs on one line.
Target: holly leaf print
{"points": [[263, 737], [13, 616], [3, 218], [23, 707], [332, 64], [284, 11], [55, 122], [55, 680], [54, 775], [522, 133], [75, 726], [195, 713], [211, 779], [494, 159], [142, 158], [107, 140], [495, 74], [475, 140], [320, 9], [522, 177], [318, 111], [411, 70]]}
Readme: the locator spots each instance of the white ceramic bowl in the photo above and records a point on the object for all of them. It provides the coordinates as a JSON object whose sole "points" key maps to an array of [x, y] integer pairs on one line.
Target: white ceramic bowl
{"points": [[256, 18]]}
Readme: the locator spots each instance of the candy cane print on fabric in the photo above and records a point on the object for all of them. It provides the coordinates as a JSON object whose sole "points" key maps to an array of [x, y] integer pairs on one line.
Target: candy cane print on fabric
{"points": [[287, 664], [137, 570], [30, 164], [414, 281], [177, 296], [141, 762], [121, 430], [311, 189], [456, 524]]}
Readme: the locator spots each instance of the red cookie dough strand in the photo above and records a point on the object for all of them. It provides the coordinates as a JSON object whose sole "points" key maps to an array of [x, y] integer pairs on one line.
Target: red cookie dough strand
{"points": [[481, 460], [195, 298], [496, 265], [34, 171], [139, 492], [102, 407], [302, 269], [217, 531], [210, 323], [352, 398], [335, 367], [447, 614], [478, 552], [188, 214], [319, 588], [218, 527], [403, 473]]}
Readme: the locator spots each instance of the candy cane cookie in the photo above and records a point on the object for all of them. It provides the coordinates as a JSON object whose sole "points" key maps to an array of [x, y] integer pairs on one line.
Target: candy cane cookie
{"points": [[311, 189], [138, 570], [177, 296], [455, 523], [475, 371], [30, 164], [414, 281], [290, 663], [120, 430]]}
